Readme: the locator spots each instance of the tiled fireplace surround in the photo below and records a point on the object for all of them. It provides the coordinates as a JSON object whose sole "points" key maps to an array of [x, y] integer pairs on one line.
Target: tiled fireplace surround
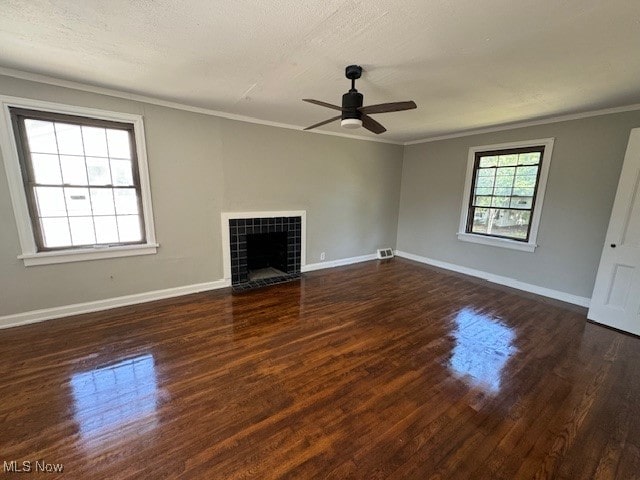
{"points": [[239, 228]]}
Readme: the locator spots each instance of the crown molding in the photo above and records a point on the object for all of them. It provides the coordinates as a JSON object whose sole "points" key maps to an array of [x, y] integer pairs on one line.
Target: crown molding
{"points": [[532, 123], [48, 80]]}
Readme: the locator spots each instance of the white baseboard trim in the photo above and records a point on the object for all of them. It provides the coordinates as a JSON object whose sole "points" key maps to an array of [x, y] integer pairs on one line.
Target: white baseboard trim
{"points": [[310, 267], [34, 316], [499, 279]]}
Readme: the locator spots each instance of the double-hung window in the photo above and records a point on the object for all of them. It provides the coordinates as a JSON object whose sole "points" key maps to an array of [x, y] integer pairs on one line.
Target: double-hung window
{"points": [[83, 186], [503, 194]]}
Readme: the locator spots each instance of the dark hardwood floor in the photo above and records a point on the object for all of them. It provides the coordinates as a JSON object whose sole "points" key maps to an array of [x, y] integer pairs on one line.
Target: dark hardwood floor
{"points": [[377, 370]]}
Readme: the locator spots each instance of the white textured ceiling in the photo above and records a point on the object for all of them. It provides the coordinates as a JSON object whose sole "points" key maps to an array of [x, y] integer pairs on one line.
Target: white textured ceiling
{"points": [[468, 64]]}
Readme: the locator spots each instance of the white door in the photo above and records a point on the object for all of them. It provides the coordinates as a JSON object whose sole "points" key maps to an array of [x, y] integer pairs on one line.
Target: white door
{"points": [[616, 295]]}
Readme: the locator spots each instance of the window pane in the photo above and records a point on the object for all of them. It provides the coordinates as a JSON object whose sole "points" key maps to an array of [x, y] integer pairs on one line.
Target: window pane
{"points": [[500, 201], [507, 160], [106, 229], [531, 158], [488, 162], [506, 171], [502, 191], [82, 231], [55, 232], [118, 143], [525, 181], [46, 168], [501, 222], [95, 141], [482, 201], [504, 181], [77, 201], [50, 202], [486, 172], [102, 201], [527, 171], [522, 202], [73, 170], [484, 182], [523, 192], [98, 169], [69, 139], [480, 218], [129, 228], [121, 172], [41, 136], [126, 201]]}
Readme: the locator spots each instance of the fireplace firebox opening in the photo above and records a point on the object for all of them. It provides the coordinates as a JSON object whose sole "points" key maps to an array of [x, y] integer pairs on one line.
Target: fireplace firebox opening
{"points": [[266, 255]]}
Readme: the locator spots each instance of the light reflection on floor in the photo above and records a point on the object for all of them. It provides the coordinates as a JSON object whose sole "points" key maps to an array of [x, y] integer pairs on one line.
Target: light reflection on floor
{"points": [[120, 395], [483, 345]]}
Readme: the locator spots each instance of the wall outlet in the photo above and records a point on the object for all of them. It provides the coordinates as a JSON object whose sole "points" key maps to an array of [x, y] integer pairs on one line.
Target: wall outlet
{"points": [[323, 256]]}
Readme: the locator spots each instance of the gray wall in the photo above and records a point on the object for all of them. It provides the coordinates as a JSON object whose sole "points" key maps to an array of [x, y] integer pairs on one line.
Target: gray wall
{"points": [[199, 166], [358, 196], [586, 164]]}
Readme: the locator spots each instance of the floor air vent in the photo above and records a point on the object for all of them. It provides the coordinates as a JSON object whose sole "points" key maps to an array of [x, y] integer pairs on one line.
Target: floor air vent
{"points": [[384, 253]]}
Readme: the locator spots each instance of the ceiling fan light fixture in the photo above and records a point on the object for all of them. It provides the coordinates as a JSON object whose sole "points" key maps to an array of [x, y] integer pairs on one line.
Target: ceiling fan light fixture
{"points": [[351, 123]]}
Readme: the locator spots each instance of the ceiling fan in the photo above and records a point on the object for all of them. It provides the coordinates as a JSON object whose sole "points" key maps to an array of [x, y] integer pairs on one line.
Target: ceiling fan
{"points": [[353, 114]]}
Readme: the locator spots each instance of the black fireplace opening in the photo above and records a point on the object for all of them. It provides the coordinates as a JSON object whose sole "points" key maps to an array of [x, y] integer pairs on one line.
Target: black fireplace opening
{"points": [[266, 255]]}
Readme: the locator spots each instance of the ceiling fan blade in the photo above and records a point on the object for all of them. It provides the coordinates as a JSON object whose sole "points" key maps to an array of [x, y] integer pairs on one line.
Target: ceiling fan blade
{"points": [[324, 123], [322, 104], [389, 107], [371, 125]]}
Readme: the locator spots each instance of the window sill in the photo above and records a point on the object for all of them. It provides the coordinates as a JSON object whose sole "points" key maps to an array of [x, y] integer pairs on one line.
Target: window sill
{"points": [[497, 242], [82, 255]]}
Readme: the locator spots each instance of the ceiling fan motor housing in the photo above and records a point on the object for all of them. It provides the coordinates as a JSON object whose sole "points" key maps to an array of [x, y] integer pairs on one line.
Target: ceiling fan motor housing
{"points": [[351, 101]]}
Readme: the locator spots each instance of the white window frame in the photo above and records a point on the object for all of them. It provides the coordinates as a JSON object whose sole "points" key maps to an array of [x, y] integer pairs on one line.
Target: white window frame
{"points": [[531, 245], [30, 255]]}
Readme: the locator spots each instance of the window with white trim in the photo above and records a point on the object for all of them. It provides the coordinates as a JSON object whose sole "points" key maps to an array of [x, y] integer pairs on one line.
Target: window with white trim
{"points": [[84, 192], [503, 194]]}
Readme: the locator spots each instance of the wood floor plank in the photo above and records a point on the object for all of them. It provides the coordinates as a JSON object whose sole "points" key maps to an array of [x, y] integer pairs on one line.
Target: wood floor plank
{"points": [[377, 370]]}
